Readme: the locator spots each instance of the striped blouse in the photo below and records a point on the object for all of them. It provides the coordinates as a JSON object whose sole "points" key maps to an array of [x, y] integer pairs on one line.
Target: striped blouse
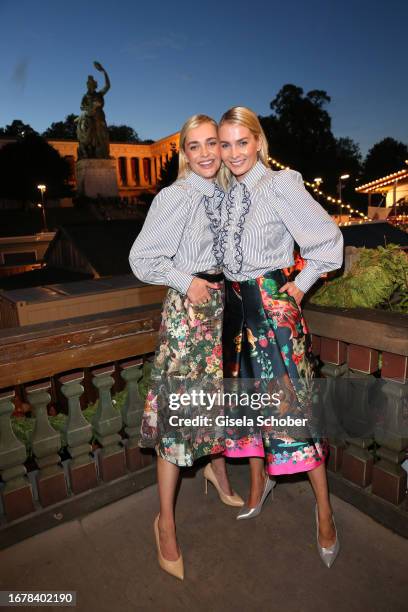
{"points": [[180, 234], [261, 217]]}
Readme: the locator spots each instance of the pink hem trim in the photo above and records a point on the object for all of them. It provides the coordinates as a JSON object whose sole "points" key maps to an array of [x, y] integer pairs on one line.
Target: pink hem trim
{"points": [[251, 451], [292, 468]]}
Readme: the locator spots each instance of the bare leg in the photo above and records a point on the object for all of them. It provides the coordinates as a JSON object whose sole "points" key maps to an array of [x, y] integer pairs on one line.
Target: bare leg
{"points": [[318, 480], [220, 470], [167, 477], [257, 468]]}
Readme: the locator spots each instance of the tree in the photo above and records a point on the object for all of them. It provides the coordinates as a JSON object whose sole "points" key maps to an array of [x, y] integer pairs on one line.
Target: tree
{"points": [[17, 129], [348, 156], [299, 130], [64, 130], [28, 162], [123, 133], [385, 157], [169, 171], [300, 135], [67, 130]]}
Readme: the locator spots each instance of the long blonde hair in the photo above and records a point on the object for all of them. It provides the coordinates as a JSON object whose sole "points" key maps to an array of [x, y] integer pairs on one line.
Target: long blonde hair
{"points": [[241, 115], [193, 122]]}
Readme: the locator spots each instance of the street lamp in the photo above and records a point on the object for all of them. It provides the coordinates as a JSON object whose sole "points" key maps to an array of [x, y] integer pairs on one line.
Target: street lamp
{"points": [[42, 189], [342, 178]]}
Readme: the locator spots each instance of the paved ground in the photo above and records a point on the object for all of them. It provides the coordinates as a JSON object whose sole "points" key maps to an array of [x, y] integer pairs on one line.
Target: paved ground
{"points": [[268, 563]]}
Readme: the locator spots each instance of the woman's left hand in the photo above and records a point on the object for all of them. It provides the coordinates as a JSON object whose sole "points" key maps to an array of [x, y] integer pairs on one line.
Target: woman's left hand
{"points": [[294, 291]]}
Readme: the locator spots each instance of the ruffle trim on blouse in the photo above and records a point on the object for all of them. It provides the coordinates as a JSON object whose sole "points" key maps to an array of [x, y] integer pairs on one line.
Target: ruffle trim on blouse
{"points": [[237, 228], [212, 207]]}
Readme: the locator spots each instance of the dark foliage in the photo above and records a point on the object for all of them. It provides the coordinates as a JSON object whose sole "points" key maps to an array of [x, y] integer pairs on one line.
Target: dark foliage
{"points": [[26, 163], [64, 130], [300, 135], [123, 133], [17, 129], [385, 157], [169, 171]]}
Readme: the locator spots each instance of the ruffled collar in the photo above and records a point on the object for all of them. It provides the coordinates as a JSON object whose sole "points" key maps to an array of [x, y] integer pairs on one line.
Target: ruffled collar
{"points": [[204, 186], [252, 177]]}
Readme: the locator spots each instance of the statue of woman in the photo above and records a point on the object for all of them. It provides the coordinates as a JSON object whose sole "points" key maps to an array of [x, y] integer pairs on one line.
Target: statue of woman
{"points": [[92, 131]]}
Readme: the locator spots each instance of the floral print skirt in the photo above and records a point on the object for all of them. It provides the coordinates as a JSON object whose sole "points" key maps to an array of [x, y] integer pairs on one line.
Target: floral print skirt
{"points": [[188, 359], [266, 341]]}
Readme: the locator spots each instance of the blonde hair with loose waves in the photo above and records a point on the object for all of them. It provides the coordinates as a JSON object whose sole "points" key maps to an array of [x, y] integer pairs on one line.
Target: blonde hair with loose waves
{"points": [[193, 122], [241, 115]]}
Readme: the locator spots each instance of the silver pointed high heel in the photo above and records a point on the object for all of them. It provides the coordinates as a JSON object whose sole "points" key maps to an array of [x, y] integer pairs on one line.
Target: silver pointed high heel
{"points": [[248, 513], [327, 555]]}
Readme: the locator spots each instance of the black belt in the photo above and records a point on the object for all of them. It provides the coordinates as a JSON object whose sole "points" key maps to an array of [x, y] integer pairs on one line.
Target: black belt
{"points": [[211, 278], [277, 275]]}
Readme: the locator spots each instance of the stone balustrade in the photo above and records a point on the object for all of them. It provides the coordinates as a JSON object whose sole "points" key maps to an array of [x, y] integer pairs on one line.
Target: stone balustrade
{"points": [[362, 346], [368, 347], [40, 360]]}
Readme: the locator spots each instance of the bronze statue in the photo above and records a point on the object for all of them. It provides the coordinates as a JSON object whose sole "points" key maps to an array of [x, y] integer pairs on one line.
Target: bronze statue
{"points": [[92, 131]]}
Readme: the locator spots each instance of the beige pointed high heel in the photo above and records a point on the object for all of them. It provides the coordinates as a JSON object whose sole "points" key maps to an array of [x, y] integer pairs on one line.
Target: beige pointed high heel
{"points": [[175, 568], [229, 500]]}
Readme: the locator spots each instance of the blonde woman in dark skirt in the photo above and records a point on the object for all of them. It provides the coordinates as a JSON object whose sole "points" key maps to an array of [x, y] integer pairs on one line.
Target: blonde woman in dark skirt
{"points": [[179, 247], [265, 336]]}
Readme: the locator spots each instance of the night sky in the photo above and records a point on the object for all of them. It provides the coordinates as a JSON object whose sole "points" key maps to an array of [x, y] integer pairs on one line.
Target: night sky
{"points": [[169, 60]]}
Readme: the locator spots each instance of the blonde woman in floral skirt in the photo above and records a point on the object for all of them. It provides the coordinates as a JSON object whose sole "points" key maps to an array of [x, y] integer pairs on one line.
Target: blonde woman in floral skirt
{"points": [[179, 247], [266, 339]]}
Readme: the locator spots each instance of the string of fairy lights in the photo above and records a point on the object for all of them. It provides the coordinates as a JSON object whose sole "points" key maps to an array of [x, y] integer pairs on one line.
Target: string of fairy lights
{"points": [[329, 198], [385, 180]]}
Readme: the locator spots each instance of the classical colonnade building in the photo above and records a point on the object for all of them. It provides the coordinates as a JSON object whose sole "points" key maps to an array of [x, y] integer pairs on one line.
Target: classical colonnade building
{"points": [[138, 166]]}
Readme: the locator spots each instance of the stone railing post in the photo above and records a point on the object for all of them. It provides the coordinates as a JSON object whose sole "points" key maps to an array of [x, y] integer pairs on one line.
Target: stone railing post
{"points": [[358, 460], [78, 433], [107, 424], [391, 432], [333, 354], [132, 372], [17, 492], [46, 443]]}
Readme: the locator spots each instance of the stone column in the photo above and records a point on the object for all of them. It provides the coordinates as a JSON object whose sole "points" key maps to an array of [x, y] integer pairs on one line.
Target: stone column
{"points": [[141, 173], [130, 177], [153, 170]]}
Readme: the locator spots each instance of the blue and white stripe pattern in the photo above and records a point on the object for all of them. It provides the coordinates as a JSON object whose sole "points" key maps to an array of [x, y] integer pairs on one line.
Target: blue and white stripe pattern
{"points": [[262, 216], [180, 234]]}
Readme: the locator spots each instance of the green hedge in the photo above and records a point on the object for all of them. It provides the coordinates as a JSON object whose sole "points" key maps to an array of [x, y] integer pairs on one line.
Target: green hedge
{"points": [[378, 279]]}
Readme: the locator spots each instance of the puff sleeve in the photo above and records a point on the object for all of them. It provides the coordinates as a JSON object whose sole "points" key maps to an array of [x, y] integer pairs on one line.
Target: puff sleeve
{"points": [[152, 254], [318, 236]]}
